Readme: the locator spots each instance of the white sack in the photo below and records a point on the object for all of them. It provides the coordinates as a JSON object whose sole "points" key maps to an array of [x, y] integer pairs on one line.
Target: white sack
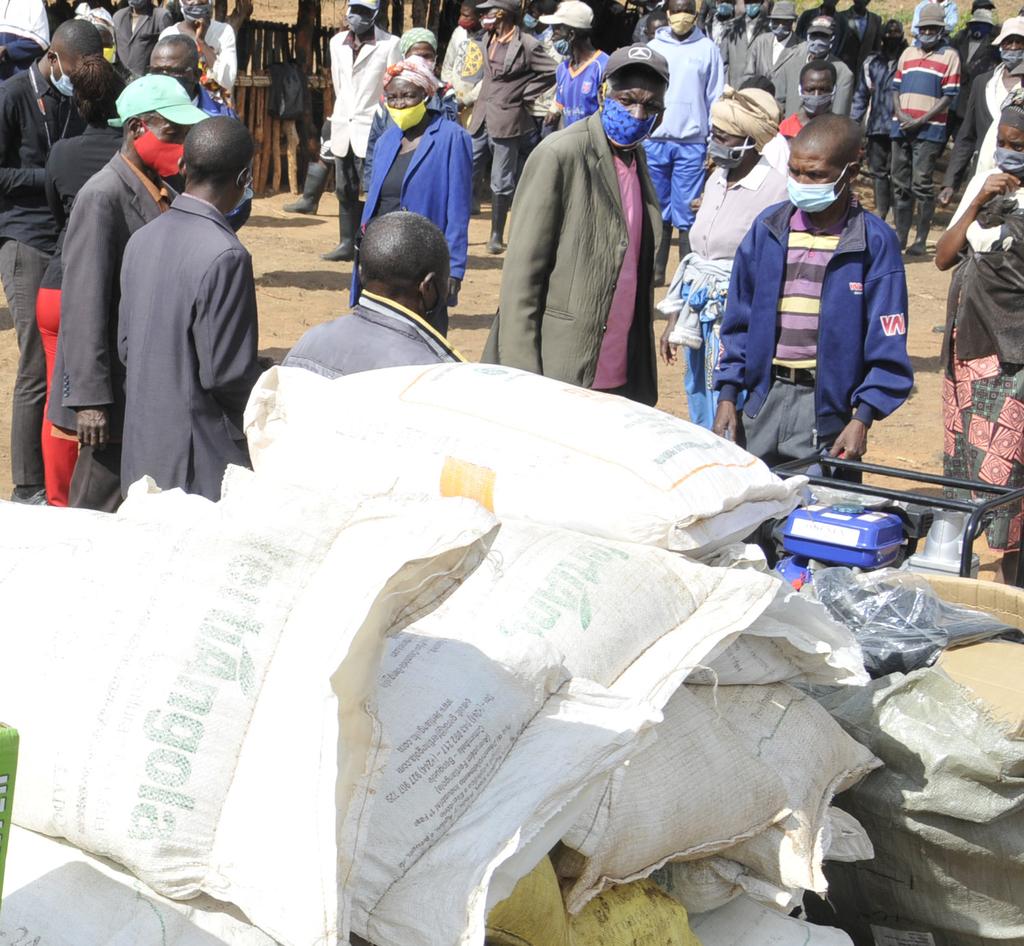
{"points": [[815, 759], [566, 753], [204, 659], [793, 640], [525, 446], [671, 803], [746, 923], [712, 882], [57, 895]]}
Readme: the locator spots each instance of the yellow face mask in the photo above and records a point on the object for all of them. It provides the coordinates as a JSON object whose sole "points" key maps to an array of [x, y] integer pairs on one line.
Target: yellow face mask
{"points": [[406, 118], [109, 53], [682, 23]]}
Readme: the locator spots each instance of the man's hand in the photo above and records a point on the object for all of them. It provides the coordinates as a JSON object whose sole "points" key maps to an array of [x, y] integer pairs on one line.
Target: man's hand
{"points": [[667, 349], [907, 122], [695, 204], [852, 443], [454, 288], [727, 421], [552, 117], [94, 427], [3, 53], [201, 26], [945, 196]]}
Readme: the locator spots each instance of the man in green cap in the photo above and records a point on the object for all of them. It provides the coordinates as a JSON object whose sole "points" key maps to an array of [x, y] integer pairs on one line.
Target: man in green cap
{"points": [[88, 399]]}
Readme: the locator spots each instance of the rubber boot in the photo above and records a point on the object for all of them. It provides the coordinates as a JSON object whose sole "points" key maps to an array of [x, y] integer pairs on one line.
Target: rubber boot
{"points": [[312, 190], [903, 214], [349, 215], [684, 244], [661, 259], [925, 212], [500, 204], [883, 197]]}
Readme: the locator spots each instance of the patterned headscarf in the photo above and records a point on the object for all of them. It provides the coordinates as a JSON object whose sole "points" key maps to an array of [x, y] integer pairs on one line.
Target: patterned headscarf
{"points": [[752, 113], [416, 35], [416, 70], [1013, 111]]}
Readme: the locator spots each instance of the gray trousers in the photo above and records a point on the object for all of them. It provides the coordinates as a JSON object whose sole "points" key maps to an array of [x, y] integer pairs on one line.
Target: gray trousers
{"points": [[784, 427], [21, 271], [506, 163]]}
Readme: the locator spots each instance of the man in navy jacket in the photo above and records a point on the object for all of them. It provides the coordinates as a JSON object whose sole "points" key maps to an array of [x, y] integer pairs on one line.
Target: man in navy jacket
{"points": [[815, 328]]}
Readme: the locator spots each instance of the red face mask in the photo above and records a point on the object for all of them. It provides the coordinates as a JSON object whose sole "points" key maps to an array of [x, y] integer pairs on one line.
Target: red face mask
{"points": [[469, 22], [164, 157]]}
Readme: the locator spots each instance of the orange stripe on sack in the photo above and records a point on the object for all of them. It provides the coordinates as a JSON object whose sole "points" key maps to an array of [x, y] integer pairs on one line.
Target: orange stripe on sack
{"points": [[708, 466], [461, 478]]}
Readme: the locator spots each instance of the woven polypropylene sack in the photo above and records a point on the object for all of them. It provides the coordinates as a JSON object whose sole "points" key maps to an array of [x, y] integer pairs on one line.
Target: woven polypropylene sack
{"points": [[523, 445]]}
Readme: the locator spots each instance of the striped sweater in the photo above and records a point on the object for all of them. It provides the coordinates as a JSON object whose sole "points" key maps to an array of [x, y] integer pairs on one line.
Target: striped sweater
{"points": [[921, 80]]}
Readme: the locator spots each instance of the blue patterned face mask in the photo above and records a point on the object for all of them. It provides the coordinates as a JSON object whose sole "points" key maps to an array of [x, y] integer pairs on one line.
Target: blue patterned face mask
{"points": [[530, 22], [621, 127]]}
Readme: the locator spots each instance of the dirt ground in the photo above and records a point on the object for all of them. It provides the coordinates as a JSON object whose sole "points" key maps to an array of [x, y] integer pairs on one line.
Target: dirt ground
{"points": [[297, 290]]}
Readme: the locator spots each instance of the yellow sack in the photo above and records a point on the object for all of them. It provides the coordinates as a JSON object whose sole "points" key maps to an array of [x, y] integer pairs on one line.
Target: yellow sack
{"points": [[533, 915], [636, 914]]}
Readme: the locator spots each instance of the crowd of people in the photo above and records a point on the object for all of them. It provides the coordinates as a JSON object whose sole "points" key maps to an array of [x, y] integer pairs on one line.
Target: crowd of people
{"points": [[734, 131]]}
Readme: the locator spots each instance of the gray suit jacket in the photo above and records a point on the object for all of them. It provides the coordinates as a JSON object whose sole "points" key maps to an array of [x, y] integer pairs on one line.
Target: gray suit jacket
{"points": [[759, 62], [788, 92], [111, 206], [187, 334], [374, 335]]}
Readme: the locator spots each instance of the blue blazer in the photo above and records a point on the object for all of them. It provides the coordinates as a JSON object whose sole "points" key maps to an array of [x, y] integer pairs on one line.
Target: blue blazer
{"points": [[438, 184]]}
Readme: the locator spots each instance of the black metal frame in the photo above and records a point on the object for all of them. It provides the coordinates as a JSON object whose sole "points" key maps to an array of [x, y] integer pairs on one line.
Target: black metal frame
{"points": [[977, 510]]}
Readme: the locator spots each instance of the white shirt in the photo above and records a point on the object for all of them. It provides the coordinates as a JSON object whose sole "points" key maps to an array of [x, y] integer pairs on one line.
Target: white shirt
{"points": [[980, 238], [777, 48], [776, 153], [25, 18], [221, 37]]}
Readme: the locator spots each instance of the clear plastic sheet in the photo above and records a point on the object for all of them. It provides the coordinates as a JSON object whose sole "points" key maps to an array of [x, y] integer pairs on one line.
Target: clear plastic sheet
{"points": [[900, 623]]}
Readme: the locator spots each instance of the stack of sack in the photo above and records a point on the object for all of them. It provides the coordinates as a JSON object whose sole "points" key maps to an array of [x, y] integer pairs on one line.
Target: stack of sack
{"points": [[457, 618], [597, 497]]}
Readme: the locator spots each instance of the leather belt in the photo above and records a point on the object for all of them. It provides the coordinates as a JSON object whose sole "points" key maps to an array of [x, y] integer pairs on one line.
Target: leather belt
{"points": [[788, 375]]}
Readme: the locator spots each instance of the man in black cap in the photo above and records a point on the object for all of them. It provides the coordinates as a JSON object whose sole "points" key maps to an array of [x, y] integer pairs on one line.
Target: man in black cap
{"points": [[577, 288]]}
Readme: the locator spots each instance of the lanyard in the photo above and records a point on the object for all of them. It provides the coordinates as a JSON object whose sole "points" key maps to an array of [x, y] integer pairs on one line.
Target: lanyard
{"points": [[42, 111]]}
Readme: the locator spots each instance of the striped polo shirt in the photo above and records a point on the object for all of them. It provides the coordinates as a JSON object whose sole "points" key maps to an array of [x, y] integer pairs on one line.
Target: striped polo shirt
{"points": [[921, 80], [807, 255]]}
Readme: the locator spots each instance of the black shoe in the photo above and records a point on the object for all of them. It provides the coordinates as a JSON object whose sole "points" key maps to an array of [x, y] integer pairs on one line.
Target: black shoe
{"points": [[29, 495], [348, 221], [917, 248], [312, 191], [500, 204]]}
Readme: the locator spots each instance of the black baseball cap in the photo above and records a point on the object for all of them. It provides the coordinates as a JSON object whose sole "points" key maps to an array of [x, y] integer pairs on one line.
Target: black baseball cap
{"points": [[639, 55], [511, 6]]}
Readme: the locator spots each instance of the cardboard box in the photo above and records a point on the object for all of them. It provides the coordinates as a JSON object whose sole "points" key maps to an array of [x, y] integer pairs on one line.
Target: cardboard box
{"points": [[8, 763], [993, 671]]}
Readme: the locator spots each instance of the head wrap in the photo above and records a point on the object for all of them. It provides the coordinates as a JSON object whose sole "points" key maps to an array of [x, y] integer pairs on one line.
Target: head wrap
{"points": [[416, 35], [752, 113], [1013, 112], [97, 16], [416, 70]]}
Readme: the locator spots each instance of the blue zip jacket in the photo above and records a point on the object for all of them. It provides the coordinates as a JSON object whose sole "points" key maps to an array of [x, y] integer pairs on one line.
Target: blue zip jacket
{"points": [[863, 367], [438, 184], [696, 79], [874, 94]]}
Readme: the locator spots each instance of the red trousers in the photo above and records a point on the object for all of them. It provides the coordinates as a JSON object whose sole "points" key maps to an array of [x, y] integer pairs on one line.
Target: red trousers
{"points": [[59, 455]]}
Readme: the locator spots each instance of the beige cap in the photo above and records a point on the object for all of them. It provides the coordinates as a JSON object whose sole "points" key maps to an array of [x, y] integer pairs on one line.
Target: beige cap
{"points": [[1014, 26], [574, 13]]}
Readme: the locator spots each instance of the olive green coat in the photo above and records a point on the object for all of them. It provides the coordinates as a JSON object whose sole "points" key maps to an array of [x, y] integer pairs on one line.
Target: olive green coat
{"points": [[566, 246]]}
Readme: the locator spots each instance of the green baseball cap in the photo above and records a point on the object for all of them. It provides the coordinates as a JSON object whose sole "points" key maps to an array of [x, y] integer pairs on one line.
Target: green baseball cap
{"points": [[160, 94]]}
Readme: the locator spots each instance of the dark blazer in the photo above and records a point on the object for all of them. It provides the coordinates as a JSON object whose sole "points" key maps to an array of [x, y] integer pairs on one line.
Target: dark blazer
{"points": [[111, 206], [438, 184], [187, 334], [976, 123], [565, 252], [985, 59], [856, 49], [134, 49], [507, 93]]}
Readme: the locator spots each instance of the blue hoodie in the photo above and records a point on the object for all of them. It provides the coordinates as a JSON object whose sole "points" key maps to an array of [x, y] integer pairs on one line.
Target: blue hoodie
{"points": [[863, 367], [696, 81]]}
